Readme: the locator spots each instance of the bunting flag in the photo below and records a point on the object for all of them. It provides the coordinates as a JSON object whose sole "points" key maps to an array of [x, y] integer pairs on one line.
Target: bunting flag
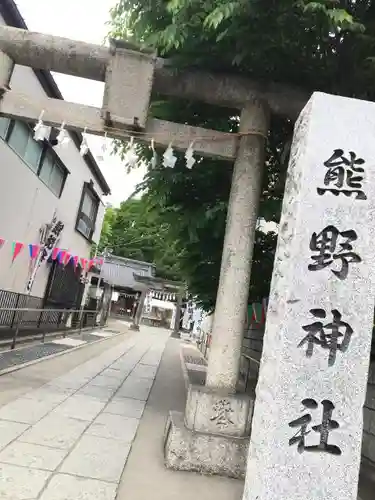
{"points": [[67, 258], [83, 262], [34, 251], [55, 253], [16, 249], [61, 256]]}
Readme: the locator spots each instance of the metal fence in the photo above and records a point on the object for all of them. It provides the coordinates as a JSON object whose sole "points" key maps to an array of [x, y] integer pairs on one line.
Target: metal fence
{"points": [[23, 315], [18, 308], [30, 321], [11, 301]]}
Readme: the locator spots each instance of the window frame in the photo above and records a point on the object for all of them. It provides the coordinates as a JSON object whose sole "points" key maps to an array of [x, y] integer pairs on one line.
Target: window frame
{"points": [[56, 160], [46, 148], [88, 188], [8, 135]]}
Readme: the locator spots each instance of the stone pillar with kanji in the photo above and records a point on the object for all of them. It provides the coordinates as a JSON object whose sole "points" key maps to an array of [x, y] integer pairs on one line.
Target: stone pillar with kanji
{"points": [[307, 425]]}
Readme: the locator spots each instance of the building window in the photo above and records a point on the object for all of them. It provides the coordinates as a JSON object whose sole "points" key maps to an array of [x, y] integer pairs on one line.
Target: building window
{"points": [[52, 173], [36, 154], [22, 142], [88, 210]]}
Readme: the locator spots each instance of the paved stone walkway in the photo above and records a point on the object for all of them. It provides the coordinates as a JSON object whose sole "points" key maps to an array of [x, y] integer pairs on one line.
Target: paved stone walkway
{"points": [[70, 439]]}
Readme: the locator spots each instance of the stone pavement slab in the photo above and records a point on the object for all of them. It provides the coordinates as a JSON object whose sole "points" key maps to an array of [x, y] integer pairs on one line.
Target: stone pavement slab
{"points": [[10, 431], [98, 392], [80, 407], [27, 411], [97, 458], [152, 357], [126, 407], [112, 426], [33, 456], [145, 371], [135, 387], [65, 487], [21, 483], [105, 381], [46, 394], [68, 384], [55, 431], [123, 365], [117, 374]]}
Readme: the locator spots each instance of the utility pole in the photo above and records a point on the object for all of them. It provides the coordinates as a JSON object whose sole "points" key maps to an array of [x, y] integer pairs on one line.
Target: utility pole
{"points": [[105, 254]]}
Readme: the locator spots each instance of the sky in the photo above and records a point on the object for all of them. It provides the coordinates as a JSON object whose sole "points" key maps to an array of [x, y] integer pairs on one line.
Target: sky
{"points": [[83, 20]]}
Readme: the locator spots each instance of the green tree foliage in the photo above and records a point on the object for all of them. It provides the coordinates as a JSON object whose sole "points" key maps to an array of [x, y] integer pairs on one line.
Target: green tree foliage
{"points": [[136, 231], [326, 45], [193, 204], [309, 44], [108, 223]]}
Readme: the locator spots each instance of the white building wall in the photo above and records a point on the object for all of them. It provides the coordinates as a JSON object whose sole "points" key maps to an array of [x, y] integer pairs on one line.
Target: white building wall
{"points": [[26, 203]]}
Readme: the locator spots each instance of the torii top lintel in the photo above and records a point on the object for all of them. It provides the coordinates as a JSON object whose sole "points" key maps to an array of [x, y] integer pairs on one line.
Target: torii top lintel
{"points": [[86, 60]]}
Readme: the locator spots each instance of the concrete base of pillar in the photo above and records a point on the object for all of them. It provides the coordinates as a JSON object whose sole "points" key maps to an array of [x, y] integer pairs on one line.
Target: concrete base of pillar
{"points": [[134, 327], [212, 436], [206, 453]]}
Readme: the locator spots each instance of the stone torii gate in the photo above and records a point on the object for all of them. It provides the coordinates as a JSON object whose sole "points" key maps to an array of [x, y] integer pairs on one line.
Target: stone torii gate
{"points": [[130, 76]]}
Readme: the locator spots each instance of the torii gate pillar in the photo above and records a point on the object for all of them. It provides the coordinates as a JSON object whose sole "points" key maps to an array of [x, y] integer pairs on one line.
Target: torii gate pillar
{"points": [[213, 435]]}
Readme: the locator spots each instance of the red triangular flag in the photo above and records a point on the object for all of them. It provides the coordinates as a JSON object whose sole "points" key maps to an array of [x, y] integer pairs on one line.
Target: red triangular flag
{"points": [[67, 258], [91, 263], [2, 243], [75, 260], [100, 261], [83, 263], [61, 256], [16, 249], [55, 253]]}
